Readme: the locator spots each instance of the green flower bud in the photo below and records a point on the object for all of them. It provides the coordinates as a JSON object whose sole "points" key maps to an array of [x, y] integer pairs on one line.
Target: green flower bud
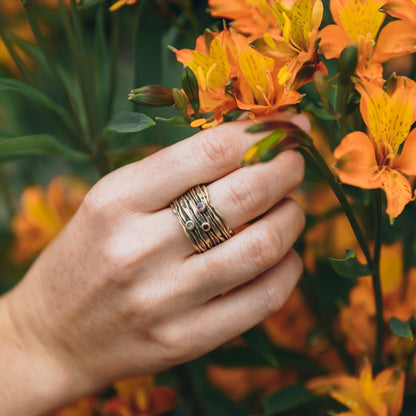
{"points": [[152, 96], [181, 101], [191, 88], [347, 63]]}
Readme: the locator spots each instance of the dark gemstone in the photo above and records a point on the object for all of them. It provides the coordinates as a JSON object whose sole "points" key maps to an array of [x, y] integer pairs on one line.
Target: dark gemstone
{"points": [[205, 226]]}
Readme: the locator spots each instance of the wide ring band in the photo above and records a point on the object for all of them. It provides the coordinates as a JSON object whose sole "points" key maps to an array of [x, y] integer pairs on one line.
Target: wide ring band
{"points": [[203, 224]]}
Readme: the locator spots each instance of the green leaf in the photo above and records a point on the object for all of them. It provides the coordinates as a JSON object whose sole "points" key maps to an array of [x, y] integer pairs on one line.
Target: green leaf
{"points": [[287, 398], [258, 341], [319, 112], [285, 358], [262, 150], [85, 4], [174, 121], [128, 122], [37, 145], [33, 94], [349, 266], [102, 69], [29, 48], [400, 328]]}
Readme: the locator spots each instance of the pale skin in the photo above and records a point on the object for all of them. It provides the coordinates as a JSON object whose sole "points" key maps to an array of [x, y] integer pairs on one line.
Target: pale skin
{"points": [[121, 291]]}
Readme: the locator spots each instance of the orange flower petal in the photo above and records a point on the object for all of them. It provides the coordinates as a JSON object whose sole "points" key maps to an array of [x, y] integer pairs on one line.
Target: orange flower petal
{"points": [[406, 162], [357, 162], [398, 191], [396, 39], [402, 9], [333, 40], [388, 118]]}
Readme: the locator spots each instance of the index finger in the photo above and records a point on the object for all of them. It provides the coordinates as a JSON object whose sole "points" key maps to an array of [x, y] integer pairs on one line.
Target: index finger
{"points": [[208, 155]]}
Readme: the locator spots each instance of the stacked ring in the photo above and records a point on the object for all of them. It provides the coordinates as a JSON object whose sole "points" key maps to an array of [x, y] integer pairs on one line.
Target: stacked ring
{"points": [[202, 223]]}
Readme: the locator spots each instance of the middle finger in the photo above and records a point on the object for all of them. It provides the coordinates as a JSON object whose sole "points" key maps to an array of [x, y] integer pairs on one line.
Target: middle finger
{"points": [[240, 197]]}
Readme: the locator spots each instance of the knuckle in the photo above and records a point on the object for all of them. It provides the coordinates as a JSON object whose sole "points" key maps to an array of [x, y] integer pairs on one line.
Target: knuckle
{"points": [[296, 262], [298, 217], [271, 298], [218, 150], [297, 165], [265, 248], [97, 205], [173, 348], [248, 193]]}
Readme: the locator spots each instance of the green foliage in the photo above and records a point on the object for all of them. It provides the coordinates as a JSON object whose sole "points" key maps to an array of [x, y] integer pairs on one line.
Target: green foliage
{"points": [[288, 398], [403, 329], [349, 266], [37, 145], [128, 122]]}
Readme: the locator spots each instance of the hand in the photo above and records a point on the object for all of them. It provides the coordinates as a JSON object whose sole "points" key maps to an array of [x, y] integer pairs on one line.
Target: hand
{"points": [[121, 291]]}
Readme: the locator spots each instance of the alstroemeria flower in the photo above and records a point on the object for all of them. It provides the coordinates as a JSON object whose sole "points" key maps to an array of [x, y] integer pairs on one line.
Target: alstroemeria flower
{"points": [[365, 395], [296, 48], [231, 75], [250, 17], [374, 160], [402, 9], [214, 68], [44, 214], [140, 397], [258, 88], [359, 22]]}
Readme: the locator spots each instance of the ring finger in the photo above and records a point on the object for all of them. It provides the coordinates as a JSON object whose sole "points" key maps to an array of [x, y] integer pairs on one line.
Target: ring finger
{"points": [[240, 197]]}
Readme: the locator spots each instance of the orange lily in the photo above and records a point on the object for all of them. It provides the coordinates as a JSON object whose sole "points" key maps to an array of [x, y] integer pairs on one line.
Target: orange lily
{"points": [[250, 17], [258, 88], [359, 22], [44, 214], [231, 75], [296, 48], [214, 68], [372, 160], [365, 395], [402, 9], [140, 397]]}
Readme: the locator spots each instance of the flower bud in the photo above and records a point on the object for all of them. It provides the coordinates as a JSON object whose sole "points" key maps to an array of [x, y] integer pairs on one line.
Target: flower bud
{"points": [[347, 63], [152, 96], [191, 88], [181, 100], [321, 84]]}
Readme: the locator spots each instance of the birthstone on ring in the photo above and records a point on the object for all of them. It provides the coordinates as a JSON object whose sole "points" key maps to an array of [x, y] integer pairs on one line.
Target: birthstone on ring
{"points": [[190, 225], [201, 207], [206, 226]]}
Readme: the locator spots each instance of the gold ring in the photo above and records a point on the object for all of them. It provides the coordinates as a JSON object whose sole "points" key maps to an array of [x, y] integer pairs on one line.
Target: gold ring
{"points": [[203, 224]]}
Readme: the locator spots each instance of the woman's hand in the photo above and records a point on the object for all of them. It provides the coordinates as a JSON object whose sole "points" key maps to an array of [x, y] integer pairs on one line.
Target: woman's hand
{"points": [[121, 291]]}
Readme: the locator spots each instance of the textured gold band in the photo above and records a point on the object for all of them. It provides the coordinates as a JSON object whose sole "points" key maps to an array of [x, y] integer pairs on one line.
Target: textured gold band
{"points": [[202, 223]]}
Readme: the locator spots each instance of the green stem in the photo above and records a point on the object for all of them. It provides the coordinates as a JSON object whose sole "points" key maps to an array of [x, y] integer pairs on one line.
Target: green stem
{"points": [[378, 295], [115, 39], [342, 107], [374, 264], [339, 193], [410, 365], [52, 67], [100, 159], [16, 58], [74, 46], [136, 45]]}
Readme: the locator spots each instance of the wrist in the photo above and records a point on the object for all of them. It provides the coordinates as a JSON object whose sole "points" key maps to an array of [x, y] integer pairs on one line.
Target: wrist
{"points": [[34, 381]]}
